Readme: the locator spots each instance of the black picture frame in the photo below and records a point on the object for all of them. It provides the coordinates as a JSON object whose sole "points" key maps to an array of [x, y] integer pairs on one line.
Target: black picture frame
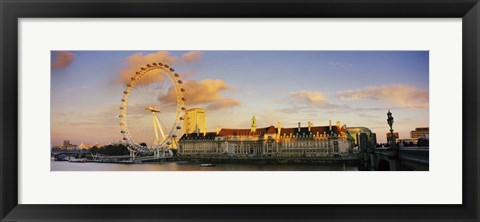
{"points": [[11, 11]]}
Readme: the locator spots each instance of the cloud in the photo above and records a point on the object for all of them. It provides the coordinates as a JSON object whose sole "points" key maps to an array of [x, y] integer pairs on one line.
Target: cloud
{"points": [[309, 96], [223, 103], [188, 74], [309, 102], [99, 125], [206, 92], [137, 60], [312, 99], [62, 59], [107, 117], [367, 115], [398, 94], [192, 56]]}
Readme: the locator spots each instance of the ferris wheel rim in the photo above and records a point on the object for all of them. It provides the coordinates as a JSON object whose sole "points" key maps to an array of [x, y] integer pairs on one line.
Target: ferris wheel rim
{"points": [[180, 106]]}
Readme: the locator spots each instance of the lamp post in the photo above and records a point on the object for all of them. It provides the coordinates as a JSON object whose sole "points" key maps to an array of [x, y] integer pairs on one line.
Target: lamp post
{"points": [[390, 123]]}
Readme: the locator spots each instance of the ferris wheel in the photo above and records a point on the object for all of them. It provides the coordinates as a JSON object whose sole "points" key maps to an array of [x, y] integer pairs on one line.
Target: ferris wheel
{"points": [[152, 107]]}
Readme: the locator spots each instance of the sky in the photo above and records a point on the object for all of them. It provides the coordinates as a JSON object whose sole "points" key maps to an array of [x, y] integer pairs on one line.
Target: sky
{"points": [[356, 88]]}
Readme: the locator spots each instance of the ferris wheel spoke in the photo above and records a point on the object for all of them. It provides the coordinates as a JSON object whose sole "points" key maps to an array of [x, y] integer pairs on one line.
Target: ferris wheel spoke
{"points": [[141, 93], [137, 97]]}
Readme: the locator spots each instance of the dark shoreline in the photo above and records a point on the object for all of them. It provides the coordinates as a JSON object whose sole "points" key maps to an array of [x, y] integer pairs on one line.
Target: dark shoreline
{"points": [[274, 161], [322, 161]]}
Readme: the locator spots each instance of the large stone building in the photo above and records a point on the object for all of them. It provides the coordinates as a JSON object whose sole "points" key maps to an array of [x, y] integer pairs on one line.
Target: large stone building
{"points": [[195, 121], [420, 132], [310, 141]]}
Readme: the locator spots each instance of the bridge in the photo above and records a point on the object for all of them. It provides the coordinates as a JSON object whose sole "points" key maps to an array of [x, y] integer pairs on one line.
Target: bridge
{"points": [[129, 159], [65, 154], [56, 152], [395, 159]]}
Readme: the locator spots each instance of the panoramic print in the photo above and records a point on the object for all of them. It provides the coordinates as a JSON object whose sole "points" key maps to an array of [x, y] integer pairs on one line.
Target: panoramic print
{"points": [[239, 110]]}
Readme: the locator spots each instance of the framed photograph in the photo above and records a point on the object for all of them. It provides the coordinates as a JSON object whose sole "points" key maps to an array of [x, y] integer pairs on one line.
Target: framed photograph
{"points": [[161, 119], [226, 110]]}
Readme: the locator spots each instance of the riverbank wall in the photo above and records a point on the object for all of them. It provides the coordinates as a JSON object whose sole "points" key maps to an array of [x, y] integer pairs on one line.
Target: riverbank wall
{"points": [[350, 161]]}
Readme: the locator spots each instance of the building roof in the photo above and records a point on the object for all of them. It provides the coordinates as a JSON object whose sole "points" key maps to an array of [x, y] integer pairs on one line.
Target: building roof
{"points": [[208, 135], [421, 128], [313, 130], [195, 109], [266, 130], [247, 132], [274, 130]]}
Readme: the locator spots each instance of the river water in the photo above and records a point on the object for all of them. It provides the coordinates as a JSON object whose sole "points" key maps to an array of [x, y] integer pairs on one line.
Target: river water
{"points": [[174, 166]]}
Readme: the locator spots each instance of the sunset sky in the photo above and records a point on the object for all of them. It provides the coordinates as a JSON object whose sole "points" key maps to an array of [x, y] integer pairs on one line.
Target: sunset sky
{"points": [[354, 87]]}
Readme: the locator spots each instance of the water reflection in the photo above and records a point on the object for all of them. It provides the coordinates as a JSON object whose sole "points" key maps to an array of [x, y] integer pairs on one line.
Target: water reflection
{"points": [[173, 166]]}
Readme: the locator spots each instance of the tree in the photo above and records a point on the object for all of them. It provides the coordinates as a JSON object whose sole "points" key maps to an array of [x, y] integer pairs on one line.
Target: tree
{"points": [[114, 150], [94, 150]]}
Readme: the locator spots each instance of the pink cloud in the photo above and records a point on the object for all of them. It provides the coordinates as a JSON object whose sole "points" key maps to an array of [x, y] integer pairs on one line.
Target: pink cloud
{"points": [[309, 96], [137, 60], [402, 95], [207, 92], [62, 59], [192, 56]]}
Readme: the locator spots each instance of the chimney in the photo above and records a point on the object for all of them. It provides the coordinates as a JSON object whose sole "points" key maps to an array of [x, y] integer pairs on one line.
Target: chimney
{"points": [[330, 125], [309, 126], [298, 127], [338, 124], [218, 130]]}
